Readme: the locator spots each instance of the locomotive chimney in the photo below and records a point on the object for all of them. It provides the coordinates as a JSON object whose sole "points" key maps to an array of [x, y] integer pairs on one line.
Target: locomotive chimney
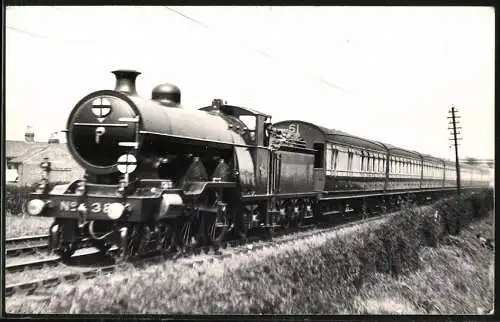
{"points": [[125, 81]]}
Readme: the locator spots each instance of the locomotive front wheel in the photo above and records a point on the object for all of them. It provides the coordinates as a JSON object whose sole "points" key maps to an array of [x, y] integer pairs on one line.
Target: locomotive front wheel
{"points": [[215, 218], [218, 226], [129, 241], [101, 245], [66, 251], [185, 236], [167, 239]]}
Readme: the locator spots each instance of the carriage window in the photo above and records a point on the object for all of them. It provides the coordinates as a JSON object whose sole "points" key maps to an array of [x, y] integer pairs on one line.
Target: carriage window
{"points": [[342, 160], [349, 160]]}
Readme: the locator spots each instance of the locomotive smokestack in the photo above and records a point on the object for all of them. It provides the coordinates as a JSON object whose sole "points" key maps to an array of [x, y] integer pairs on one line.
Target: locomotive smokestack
{"points": [[125, 81]]}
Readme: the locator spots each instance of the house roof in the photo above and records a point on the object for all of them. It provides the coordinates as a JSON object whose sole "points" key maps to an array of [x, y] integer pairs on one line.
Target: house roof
{"points": [[16, 148], [32, 151], [22, 152]]}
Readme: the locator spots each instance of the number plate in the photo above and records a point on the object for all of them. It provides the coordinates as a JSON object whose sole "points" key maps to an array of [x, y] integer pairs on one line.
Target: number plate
{"points": [[93, 207]]}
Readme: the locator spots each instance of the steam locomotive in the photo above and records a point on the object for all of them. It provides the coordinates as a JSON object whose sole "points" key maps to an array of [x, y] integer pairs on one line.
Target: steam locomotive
{"points": [[160, 176]]}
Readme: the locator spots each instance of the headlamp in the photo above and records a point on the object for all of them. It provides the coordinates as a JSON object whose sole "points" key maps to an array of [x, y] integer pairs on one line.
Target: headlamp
{"points": [[115, 210], [35, 207]]}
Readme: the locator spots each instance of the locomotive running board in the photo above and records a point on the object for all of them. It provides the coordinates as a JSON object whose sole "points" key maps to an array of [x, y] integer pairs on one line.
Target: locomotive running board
{"points": [[280, 196], [198, 187], [333, 212]]}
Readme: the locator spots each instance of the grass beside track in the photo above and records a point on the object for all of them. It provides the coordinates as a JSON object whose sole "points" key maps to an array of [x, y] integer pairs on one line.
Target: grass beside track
{"points": [[457, 278], [414, 261], [25, 225]]}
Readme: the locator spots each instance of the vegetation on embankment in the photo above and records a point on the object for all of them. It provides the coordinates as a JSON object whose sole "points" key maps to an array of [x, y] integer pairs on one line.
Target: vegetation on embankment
{"points": [[456, 278], [411, 254], [18, 223]]}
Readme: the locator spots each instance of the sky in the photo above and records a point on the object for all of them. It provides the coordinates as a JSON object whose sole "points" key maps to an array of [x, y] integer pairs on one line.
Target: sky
{"points": [[389, 74]]}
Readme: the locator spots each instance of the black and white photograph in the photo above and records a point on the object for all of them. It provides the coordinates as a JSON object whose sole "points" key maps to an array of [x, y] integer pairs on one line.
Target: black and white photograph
{"points": [[248, 160]]}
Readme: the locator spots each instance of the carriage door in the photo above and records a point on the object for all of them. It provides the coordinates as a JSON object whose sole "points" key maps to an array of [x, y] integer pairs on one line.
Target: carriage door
{"points": [[319, 167]]}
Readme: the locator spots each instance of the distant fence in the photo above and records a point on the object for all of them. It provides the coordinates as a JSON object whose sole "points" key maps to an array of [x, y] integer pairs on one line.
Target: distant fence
{"points": [[30, 174]]}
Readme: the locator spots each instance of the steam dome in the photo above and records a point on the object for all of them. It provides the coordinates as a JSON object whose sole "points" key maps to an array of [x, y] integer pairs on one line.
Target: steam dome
{"points": [[167, 94]]}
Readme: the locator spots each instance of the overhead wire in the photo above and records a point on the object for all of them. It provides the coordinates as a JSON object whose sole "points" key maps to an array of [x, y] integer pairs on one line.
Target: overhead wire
{"points": [[26, 32], [259, 51]]}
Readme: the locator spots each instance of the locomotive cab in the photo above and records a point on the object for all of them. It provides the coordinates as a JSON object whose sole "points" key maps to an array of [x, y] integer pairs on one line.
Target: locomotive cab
{"points": [[255, 136]]}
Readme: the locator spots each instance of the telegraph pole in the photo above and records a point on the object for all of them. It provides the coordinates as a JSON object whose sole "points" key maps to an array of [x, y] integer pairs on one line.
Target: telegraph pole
{"points": [[454, 122]]}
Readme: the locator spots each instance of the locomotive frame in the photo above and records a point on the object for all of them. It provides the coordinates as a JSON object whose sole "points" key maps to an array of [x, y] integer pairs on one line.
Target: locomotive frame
{"points": [[167, 175]]}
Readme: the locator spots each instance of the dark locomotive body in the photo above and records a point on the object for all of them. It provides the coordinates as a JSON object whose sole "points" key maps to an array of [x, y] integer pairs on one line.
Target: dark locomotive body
{"points": [[159, 176]]}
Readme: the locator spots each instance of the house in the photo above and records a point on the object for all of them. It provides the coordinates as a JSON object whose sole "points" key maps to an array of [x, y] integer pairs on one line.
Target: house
{"points": [[24, 158]]}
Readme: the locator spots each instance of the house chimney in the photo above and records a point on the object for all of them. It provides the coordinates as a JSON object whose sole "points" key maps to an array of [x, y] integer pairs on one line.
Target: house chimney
{"points": [[125, 81], [53, 138], [29, 135]]}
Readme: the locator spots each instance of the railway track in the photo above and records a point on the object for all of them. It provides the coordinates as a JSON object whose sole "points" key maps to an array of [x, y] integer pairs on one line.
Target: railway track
{"points": [[189, 260], [26, 239], [25, 245], [18, 250], [79, 257]]}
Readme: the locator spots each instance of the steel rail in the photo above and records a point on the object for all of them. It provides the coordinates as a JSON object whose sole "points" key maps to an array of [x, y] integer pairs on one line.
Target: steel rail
{"points": [[52, 260], [25, 250], [26, 239]]}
